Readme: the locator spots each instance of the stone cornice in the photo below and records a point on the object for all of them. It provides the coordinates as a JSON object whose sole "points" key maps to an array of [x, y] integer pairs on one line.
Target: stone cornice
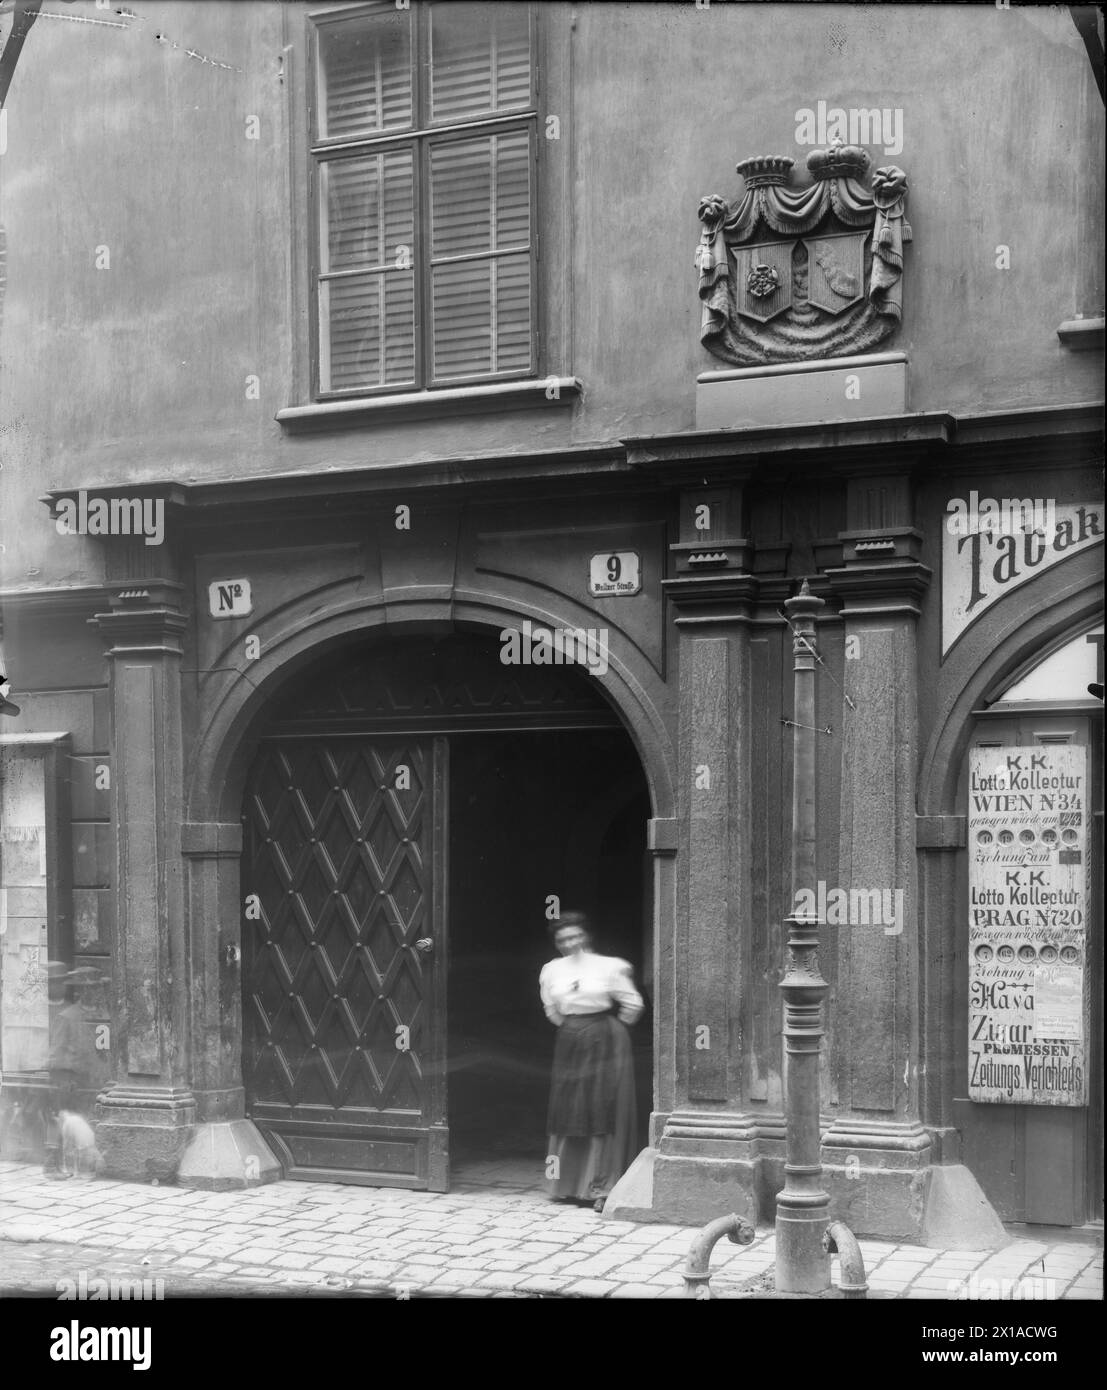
{"points": [[317, 491], [78, 600], [936, 442], [737, 455]]}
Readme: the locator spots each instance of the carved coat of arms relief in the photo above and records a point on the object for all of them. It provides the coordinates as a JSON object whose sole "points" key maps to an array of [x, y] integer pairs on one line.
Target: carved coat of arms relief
{"points": [[793, 274]]}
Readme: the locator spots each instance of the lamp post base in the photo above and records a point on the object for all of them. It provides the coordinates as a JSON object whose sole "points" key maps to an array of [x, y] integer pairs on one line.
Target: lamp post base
{"points": [[802, 1260]]}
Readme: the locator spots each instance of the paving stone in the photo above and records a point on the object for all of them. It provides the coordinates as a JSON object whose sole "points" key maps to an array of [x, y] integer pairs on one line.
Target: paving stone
{"points": [[416, 1274], [540, 1284], [292, 1260], [498, 1279], [551, 1264], [592, 1288], [258, 1254]]}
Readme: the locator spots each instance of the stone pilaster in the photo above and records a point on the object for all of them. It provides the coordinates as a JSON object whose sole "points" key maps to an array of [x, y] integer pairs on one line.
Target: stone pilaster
{"points": [[705, 1162], [876, 1153], [226, 1151], [145, 1115]]}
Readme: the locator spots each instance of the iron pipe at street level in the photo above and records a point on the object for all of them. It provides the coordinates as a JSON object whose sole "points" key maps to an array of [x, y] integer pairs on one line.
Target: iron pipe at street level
{"points": [[697, 1267], [840, 1240], [802, 1205]]}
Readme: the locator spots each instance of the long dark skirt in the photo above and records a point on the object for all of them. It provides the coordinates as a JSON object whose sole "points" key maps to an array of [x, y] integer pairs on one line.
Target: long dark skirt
{"points": [[591, 1120]]}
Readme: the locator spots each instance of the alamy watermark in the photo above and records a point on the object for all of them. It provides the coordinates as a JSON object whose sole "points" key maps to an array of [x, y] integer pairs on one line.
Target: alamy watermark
{"points": [[557, 646], [852, 907], [858, 125], [97, 1290], [1001, 516], [112, 516], [1028, 1287]]}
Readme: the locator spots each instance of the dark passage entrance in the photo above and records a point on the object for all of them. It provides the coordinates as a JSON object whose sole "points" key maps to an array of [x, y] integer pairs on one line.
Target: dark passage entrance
{"points": [[533, 816], [413, 806]]}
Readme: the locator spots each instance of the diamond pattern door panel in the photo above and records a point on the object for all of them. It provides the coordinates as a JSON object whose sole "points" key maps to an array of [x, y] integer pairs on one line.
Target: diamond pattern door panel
{"points": [[343, 951]]}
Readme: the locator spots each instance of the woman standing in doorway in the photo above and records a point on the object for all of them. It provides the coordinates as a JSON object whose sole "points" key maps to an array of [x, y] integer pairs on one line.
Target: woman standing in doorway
{"points": [[590, 999]]}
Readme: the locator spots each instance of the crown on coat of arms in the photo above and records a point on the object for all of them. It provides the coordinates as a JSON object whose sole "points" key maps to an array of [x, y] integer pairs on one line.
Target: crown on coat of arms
{"points": [[764, 169], [839, 162]]}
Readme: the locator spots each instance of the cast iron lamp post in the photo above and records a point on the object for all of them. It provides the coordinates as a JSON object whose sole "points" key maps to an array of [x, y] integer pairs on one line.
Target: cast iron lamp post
{"points": [[805, 1235], [802, 1206]]}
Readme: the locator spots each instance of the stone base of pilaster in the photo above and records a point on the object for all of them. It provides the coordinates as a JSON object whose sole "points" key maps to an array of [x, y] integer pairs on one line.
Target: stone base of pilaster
{"points": [[143, 1131], [958, 1215], [226, 1157], [704, 1165], [878, 1174]]}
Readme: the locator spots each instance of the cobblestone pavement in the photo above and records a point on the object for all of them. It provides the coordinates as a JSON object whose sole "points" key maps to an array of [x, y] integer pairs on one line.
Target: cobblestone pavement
{"points": [[294, 1237]]}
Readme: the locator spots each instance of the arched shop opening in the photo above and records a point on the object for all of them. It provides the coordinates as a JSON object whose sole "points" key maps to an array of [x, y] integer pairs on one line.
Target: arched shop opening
{"points": [[1031, 945], [413, 810]]}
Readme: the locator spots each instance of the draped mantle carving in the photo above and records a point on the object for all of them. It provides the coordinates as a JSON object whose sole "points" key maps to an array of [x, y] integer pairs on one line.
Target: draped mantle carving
{"points": [[793, 274]]}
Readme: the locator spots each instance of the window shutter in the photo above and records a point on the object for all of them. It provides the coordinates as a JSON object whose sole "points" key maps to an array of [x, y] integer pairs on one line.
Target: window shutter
{"points": [[365, 75], [368, 227], [480, 254], [480, 60]]}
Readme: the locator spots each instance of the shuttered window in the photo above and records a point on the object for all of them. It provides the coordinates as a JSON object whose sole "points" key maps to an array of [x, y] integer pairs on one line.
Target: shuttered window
{"points": [[423, 176]]}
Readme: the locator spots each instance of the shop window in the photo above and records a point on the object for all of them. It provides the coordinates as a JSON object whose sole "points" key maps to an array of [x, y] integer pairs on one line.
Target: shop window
{"points": [[422, 174], [34, 943]]}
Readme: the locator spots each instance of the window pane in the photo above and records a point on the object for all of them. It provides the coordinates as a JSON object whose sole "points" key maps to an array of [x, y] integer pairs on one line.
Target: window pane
{"points": [[462, 318], [482, 316], [472, 211], [367, 206], [480, 59], [367, 330], [365, 75], [512, 313], [461, 197], [513, 189]]}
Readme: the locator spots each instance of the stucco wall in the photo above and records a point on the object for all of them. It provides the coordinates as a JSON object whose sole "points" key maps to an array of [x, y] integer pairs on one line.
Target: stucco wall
{"points": [[139, 371]]}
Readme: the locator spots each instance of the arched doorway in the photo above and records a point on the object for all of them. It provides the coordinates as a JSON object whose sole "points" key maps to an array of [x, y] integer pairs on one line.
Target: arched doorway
{"points": [[1029, 978], [413, 806]]}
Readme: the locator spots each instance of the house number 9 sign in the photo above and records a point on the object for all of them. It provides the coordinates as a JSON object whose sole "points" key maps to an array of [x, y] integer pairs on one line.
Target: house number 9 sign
{"points": [[615, 574], [1028, 851]]}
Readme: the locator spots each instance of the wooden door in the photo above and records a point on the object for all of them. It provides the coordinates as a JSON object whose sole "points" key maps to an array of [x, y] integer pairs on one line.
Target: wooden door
{"points": [[344, 957]]}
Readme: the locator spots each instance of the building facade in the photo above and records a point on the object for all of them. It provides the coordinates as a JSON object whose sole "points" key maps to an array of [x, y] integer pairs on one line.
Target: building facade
{"points": [[412, 428]]}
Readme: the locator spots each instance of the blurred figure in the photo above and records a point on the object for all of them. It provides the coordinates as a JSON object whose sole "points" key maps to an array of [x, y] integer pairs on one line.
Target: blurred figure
{"points": [[67, 1075], [590, 999]]}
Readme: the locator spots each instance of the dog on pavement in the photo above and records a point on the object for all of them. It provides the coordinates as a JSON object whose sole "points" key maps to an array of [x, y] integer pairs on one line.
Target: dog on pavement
{"points": [[78, 1145]]}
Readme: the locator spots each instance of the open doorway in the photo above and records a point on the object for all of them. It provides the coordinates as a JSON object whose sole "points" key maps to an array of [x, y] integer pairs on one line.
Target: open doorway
{"points": [[534, 815]]}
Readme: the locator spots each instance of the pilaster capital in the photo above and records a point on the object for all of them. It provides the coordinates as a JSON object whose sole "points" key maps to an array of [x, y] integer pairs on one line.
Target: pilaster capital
{"points": [[881, 587], [144, 617], [725, 597]]}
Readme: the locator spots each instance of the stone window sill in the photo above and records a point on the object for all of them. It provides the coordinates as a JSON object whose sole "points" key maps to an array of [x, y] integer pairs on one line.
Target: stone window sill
{"points": [[431, 405], [1082, 334]]}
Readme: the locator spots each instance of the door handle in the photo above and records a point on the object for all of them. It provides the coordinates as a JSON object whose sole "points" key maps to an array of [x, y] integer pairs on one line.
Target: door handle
{"points": [[425, 945]]}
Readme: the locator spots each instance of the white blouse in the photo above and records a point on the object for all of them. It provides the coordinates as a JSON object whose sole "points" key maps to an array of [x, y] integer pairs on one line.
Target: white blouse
{"points": [[586, 983]]}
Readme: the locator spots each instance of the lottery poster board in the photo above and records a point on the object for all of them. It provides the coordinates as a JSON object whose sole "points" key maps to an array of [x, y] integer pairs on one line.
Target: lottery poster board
{"points": [[1028, 911]]}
